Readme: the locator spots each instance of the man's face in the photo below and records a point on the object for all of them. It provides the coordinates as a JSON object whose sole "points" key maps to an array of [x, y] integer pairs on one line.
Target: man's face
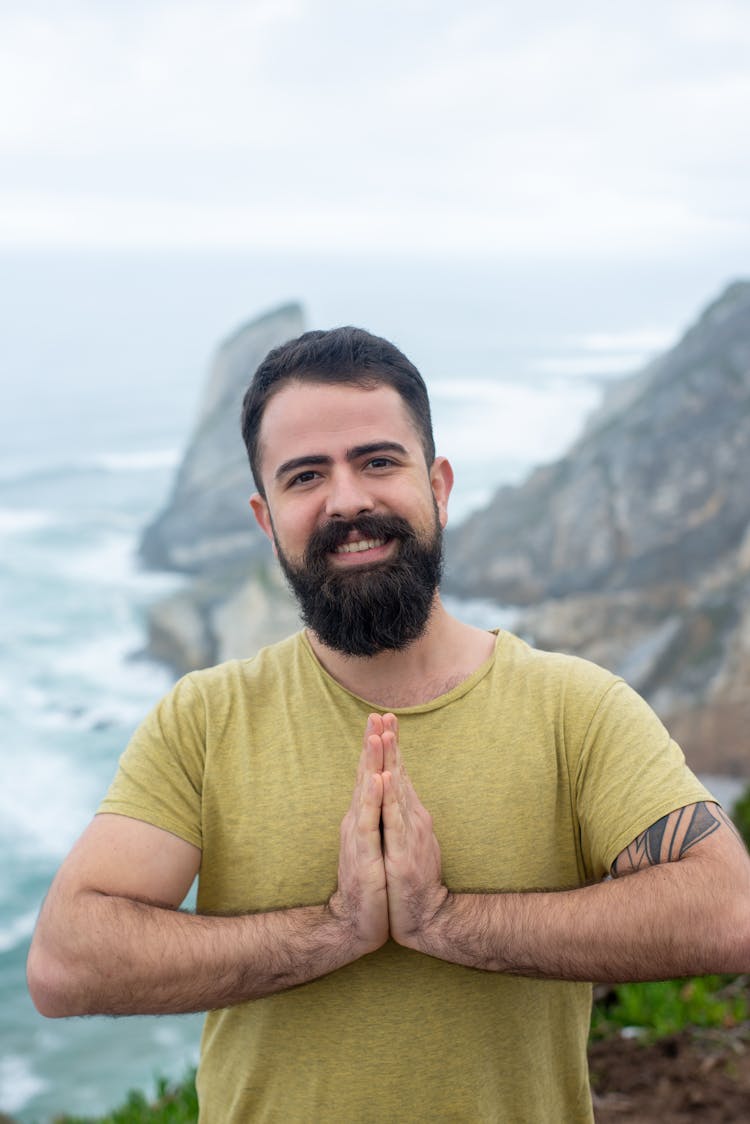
{"points": [[354, 513]]}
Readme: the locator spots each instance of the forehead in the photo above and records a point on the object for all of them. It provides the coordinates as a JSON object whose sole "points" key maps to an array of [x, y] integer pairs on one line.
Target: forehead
{"points": [[329, 419]]}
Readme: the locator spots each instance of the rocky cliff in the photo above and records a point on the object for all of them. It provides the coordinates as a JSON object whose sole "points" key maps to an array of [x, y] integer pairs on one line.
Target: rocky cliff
{"points": [[234, 599], [634, 548]]}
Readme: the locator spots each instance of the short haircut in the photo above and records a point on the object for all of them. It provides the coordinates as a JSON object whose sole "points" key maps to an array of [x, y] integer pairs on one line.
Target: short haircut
{"points": [[340, 355]]}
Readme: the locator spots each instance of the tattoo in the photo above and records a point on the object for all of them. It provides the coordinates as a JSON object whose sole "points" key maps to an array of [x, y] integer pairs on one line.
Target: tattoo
{"points": [[671, 837]]}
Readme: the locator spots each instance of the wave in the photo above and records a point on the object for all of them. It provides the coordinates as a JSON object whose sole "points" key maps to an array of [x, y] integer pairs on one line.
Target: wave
{"points": [[485, 423], [144, 460], [45, 803], [21, 521], [16, 932], [643, 342], [138, 462], [18, 1082]]}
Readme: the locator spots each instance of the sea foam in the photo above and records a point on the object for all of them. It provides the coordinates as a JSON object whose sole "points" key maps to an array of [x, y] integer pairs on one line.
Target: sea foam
{"points": [[18, 1082]]}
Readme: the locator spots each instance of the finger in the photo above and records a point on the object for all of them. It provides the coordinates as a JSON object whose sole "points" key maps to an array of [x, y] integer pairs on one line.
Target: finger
{"points": [[392, 810], [377, 723], [371, 758], [369, 813], [391, 751]]}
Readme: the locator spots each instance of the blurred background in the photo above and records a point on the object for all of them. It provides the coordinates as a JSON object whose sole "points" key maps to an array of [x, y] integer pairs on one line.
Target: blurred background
{"points": [[534, 201]]}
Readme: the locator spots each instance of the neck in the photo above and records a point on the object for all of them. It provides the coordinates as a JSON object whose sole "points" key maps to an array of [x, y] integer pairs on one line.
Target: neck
{"points": [[446, 653]]}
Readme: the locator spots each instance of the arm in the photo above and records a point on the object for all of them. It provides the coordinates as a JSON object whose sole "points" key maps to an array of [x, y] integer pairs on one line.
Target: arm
{"points": [[684, 910], [110, 939]]}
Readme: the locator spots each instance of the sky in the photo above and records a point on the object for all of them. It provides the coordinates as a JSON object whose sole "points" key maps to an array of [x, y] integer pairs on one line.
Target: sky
{"points": [[479, 128]]}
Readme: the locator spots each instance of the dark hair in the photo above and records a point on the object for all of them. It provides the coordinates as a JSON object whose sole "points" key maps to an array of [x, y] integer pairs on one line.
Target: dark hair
{"points": [[339, 355]]}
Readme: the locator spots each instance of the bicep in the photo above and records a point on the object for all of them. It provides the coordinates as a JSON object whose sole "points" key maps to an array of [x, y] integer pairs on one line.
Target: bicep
{"points": [[124, 857], [702, 828]]}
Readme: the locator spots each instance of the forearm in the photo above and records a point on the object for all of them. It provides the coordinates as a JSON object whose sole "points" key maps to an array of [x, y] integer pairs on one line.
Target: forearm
{"points": [[651, 925], [116, 956]]}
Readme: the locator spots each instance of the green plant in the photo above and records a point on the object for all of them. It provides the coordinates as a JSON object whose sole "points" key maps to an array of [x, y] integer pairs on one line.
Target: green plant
{"points": [[668, 1006], [175, 1103], [741, 816]]}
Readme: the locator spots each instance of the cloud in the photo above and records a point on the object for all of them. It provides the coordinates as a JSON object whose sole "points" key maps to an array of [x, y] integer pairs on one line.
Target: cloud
{"points": [[490, 127]]}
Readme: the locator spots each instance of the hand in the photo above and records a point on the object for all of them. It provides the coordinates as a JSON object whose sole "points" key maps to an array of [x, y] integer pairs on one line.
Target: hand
{"points": [[360, 900], [412, 853]]}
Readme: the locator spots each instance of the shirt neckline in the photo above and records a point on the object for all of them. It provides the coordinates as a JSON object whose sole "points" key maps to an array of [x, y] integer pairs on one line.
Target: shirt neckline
{"points": [[457, 692]]}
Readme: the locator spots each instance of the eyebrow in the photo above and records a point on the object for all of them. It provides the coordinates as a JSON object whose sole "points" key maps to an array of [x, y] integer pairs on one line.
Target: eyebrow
{"points": [[353, 454]]}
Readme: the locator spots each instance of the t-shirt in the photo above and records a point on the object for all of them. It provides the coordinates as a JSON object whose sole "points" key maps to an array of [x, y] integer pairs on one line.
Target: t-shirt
{"points": [[538, 769]]}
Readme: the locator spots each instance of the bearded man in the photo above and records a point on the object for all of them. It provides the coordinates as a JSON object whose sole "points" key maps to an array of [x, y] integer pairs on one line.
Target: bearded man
{"points": [[373, 943]]}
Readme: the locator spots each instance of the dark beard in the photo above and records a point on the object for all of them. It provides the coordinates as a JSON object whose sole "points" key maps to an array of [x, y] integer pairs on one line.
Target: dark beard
{"points": [[364, 611]]}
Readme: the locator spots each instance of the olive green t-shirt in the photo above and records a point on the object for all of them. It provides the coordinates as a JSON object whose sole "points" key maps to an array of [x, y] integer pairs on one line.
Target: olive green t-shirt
{"points": [[538, 770]]}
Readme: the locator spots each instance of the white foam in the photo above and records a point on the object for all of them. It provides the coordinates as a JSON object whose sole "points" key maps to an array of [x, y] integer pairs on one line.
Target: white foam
{"points": [[481, 421], [18, 930], [107, 661], [22, 520], [137, 462], [19, 471], [113, 561], [18, 1082], [587, 365], [638, 342], [45, 802]]}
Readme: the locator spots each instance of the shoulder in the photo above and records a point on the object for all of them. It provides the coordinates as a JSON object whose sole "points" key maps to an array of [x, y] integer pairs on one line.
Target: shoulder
{"points": [[236, 675], [557, 672]]}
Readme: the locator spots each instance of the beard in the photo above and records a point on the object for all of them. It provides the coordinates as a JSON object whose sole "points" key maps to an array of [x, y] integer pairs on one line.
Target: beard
{"points": [[366, 610]]}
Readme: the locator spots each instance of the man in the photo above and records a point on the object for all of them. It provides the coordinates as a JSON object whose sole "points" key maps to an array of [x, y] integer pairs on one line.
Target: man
{"points": [[428, 958]]}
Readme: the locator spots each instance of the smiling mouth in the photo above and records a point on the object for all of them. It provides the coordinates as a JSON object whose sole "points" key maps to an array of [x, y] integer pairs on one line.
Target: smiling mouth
{"points": [[360, 545]]}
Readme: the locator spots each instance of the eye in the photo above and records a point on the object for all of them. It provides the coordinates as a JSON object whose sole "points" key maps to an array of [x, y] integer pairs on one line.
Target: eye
{"points": [[380, 462], [303, 478]]}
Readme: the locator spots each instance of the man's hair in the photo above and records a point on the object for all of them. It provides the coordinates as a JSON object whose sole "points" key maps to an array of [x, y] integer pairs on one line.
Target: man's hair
{"points": [[341, 355]]}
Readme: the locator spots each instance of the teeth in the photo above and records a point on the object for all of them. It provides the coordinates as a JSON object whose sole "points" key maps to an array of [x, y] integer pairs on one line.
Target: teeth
{"points": [[355, 547]]}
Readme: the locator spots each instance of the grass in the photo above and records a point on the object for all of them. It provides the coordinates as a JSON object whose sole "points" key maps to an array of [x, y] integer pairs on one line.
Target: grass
{"points": [[175, 1103], [656, 1010], [649, 1010]]}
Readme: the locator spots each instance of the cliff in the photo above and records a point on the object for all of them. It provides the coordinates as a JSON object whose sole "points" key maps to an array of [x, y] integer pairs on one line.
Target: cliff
{"points": [[634, 548], [234, 600]]}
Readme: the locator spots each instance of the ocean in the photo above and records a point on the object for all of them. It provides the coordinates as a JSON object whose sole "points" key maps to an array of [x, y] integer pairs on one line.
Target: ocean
{"points": [[102, 360]]}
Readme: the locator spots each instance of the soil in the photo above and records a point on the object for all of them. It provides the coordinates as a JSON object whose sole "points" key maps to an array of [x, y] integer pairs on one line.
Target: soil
{"points": [[684, 1079]]}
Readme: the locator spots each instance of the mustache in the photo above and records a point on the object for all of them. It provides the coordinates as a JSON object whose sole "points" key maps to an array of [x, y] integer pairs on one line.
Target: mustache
{"points": [[331, 535]]}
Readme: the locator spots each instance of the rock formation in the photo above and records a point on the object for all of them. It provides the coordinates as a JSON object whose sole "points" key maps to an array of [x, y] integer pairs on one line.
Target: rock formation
{"points": [[634, 548], [234, 600]]}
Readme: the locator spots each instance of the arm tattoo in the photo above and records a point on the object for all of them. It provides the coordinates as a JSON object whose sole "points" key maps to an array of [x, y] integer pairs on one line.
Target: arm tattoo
{"points": [[671, 837]]}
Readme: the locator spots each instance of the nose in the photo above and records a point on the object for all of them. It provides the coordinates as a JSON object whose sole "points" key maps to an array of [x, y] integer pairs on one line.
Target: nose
{"points": [[347, 495]]}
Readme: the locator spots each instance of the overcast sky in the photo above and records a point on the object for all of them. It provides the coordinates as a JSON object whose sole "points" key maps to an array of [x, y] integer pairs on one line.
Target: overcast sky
{"points": [[490, 127]]}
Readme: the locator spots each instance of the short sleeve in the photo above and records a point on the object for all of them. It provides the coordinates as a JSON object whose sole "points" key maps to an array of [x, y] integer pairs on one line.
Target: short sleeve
{"points": [[160, 774], [630, 774]]}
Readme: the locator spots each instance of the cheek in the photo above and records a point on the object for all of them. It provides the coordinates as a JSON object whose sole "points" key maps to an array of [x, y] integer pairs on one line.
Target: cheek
{"points": [[292, 533]]}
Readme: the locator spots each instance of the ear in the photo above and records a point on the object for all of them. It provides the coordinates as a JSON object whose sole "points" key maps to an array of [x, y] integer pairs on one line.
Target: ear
{"points": [[441, 479], [263, 516]]}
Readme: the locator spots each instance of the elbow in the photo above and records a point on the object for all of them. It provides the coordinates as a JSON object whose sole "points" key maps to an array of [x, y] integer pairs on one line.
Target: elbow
{"points": [[728, 945], [51, 984], [741, 928]]}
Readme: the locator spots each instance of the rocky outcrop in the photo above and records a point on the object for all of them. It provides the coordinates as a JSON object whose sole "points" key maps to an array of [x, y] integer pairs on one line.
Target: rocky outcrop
{"points": [[206, 525], [234, 599], [634, 548]]}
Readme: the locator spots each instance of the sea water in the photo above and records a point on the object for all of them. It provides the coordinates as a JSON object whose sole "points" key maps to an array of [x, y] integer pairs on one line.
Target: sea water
{"points": [[102, 363]]}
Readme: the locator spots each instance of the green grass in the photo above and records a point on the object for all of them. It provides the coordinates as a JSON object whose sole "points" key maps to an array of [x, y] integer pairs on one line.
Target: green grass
{"points": [[175, 1103], [653, 1010], [669, 1006]]}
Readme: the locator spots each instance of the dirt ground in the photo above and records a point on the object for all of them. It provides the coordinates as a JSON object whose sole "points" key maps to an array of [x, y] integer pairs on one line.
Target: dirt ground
{"points": [[684, 1079]]}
